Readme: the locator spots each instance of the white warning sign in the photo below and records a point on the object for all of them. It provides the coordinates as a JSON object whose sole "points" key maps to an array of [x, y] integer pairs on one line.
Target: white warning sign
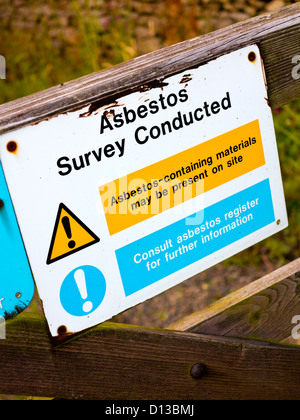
{"points": [[131, 195]]}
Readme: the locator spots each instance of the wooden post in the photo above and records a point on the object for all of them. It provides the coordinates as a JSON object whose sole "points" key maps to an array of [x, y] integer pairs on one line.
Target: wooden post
{"points": [[114, 361]]}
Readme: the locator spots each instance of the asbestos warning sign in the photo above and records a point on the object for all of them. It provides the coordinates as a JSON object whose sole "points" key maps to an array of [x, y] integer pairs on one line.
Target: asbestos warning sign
{"points": [[70, 235], [158, 184]]}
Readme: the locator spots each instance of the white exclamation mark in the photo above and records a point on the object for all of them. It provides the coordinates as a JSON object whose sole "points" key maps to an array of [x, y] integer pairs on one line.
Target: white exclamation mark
{"points": [[81, 284]]}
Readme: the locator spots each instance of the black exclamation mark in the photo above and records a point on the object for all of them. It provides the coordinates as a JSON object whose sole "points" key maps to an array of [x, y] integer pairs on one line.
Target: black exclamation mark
{"points": [[66, 224]]}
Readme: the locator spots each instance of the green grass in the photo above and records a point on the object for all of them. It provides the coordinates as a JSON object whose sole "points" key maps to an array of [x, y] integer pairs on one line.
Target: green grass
{"points": [[287, 126], [35, 60]]}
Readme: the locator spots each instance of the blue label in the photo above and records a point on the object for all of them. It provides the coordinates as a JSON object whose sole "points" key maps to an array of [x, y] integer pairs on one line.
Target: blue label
{"points": [[176, 246], [83, 290], [16, 282]]}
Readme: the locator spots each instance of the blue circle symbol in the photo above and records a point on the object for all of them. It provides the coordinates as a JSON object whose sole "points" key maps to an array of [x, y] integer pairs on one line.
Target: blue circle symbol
{"points": [[83, 290]]}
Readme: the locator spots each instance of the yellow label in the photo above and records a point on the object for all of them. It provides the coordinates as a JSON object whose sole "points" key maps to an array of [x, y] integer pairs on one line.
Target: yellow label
{"points": [[70, 235], [152, 190]]}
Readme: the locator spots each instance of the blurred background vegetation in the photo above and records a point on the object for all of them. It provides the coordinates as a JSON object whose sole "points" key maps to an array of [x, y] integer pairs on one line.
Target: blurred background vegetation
{"points": [[48, 43]]}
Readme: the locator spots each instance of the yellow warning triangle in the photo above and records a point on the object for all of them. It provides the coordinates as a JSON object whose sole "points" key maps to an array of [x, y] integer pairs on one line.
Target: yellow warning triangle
{"points": [[70, 235]]}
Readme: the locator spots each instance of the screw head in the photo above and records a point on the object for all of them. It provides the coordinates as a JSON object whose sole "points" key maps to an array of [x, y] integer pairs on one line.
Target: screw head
{"points": [[11, 146], [62, 330], [198, 370], [251, 56], [1, 203]]}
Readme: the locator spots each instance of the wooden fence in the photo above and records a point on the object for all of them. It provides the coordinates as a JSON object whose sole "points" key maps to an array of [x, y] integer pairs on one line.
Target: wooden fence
{"points": [[234, 348]]}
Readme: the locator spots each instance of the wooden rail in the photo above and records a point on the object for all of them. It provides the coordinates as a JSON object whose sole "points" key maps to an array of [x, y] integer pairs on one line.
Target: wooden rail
{"points": [[262, 310], [114, 361], [277, 34]]}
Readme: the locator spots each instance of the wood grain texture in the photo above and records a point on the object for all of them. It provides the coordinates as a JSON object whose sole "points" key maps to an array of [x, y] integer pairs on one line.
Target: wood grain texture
{"points": [[261, 310], [277, 34], [114, 361]]}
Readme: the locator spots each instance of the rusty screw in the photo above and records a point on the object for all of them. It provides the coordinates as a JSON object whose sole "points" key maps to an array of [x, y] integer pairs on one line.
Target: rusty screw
{"points": [[1, 203], [278, 222], [198, 370], [251, 56], [62, 330], [11, 146]]}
